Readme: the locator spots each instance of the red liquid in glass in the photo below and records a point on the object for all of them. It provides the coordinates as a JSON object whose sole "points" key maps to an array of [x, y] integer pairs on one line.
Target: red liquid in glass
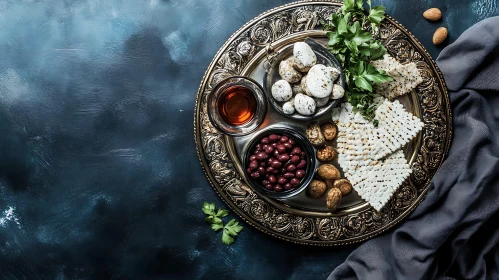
{"points": [[237, 105]]}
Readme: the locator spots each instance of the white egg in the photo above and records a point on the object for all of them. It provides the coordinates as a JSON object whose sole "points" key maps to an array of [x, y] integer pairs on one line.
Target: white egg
{"points": [[289, 107], [338, 92], [319, 81], [304, 105], [304, 85], [304, 56], [288, 73], [281, 91], [321, 101], [292, 61], [335, 73]]}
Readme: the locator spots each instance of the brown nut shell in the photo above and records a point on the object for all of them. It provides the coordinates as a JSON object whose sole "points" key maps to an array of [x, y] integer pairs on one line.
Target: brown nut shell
{"points": [[333, 199], [329, 131], [328, 172], [316, 188], [344, 186], [432, 14], [326, 154], [440, 35], [314, 134]]}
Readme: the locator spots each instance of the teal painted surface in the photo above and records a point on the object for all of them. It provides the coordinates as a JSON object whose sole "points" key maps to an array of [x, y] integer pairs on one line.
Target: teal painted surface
{"points": [[98, 173]]}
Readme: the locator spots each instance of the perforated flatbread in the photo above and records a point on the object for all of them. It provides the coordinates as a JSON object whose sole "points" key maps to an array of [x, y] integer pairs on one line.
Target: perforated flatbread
{"points": [[374, 180], [388, 63], [377, 181], [406, 77], [396, 127]]}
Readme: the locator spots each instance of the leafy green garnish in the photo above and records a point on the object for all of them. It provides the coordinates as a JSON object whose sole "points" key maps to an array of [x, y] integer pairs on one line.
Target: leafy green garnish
{"points": [[351, 40], [213, 217], [376, 14], [217, 227], [230, 231]]}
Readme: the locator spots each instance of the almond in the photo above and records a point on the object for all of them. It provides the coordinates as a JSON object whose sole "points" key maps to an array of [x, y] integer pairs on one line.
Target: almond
{"points": [[440, 35], [432, 14]]}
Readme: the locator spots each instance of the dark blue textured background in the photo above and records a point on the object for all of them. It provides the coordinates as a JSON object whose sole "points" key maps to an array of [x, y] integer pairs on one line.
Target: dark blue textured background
{"points": [[98, 172]]}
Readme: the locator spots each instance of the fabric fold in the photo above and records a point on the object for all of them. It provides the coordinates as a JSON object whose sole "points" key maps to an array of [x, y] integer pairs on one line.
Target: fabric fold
{"points": [[454, 232]]}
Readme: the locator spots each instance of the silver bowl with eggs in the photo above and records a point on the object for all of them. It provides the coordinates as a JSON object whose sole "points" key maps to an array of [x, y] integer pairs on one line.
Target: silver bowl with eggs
{"points": [[304, 81]]}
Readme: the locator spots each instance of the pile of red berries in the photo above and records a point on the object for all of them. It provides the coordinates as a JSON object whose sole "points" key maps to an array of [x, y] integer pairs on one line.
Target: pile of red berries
{"points": [[277, 162]]}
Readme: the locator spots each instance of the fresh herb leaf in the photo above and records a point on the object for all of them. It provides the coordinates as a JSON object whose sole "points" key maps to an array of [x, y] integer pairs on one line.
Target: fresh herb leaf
{"points": [[217, 227], [212, 219], [208, 208], [365, 51], [334, 38], [361, 36], [230, 231], [359, 4], [362, 103], [342, 26], [377, 50], [222, 213], [377, 14], [348, 5], [227, 239], [212, 216], [362, 83], [233, 227], [353, 44], [378, 76]]}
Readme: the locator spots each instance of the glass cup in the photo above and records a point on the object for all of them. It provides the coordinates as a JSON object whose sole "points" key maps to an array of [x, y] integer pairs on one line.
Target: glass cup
{"points": [[251, 119]]}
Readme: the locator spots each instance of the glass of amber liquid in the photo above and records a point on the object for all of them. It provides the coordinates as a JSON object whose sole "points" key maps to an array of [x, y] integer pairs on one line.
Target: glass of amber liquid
{"points": [[237, 106]]}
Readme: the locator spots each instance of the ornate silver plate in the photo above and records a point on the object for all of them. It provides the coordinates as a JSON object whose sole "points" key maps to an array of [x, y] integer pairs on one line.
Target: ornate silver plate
{"points": [[300, 219]]}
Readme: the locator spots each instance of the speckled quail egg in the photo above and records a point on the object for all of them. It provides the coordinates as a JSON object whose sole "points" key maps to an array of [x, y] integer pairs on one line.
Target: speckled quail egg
{"points": [[335, 73], [288, 73], [305, 57], [289, 107], [303, 85], [304, 105], [319, 102], [281, 91], [319, 81], [338, 92]]}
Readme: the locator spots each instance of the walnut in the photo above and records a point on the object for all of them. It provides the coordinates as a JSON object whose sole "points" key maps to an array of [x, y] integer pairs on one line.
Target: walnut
{"points": [[333, 199], [316, 188], [326, 154], [329, 131], [328, 172], [314, 134], [344, 186]]}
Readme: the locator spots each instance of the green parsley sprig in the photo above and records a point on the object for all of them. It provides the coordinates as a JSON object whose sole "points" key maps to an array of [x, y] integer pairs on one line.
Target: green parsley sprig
{"points": [[230, 231], [214, 218], [351, 40]]}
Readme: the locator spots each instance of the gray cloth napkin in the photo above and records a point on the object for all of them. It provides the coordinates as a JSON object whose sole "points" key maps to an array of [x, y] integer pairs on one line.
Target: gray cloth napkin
{"points": [[454, 233]]}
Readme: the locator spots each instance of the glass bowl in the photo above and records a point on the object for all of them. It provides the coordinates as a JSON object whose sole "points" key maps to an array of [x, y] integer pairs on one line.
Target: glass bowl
{"points": [[214, 100], [302, 142], [324, 56]]}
